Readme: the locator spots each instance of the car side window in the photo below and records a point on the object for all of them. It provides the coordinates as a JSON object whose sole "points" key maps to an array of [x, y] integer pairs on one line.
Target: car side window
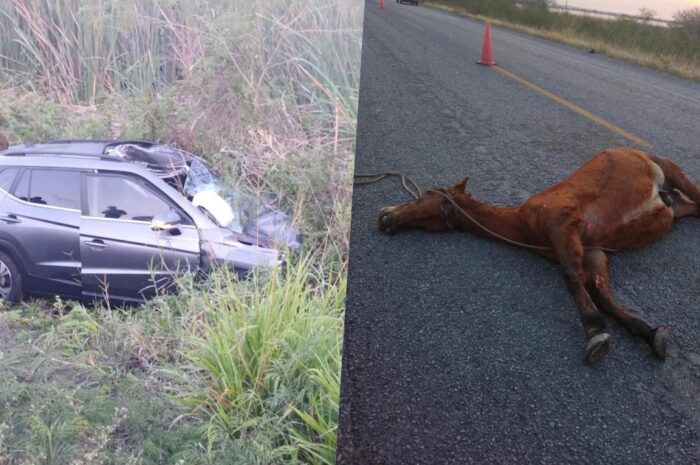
{"points": [[7, 177], [119, 197], [54, 188]]}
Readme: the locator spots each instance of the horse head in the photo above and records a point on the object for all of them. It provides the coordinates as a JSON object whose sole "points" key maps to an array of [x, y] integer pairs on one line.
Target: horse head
{"points": [[433, 211]]}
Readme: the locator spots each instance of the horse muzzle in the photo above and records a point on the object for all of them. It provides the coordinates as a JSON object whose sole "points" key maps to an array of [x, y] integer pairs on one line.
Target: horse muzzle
{"points": [[388, 220]]}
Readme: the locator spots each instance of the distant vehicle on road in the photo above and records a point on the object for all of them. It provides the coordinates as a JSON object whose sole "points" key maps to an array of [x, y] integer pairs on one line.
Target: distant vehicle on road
{"points": [[96, 219], [410, 2]]}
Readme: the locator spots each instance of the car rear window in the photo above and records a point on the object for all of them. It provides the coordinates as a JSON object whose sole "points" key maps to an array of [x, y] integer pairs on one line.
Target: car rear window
{"points": [[7, 177], [54, 188]]}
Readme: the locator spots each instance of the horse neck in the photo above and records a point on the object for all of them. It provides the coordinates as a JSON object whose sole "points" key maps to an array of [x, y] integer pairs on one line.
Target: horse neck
{"points": [[504, 221]]}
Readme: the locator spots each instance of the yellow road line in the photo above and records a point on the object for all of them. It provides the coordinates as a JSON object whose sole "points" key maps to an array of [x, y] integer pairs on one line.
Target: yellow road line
{"points": [[576, 108], [414, 25]]}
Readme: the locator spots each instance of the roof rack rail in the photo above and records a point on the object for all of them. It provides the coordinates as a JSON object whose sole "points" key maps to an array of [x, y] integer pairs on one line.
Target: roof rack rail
{"points": [[76, 141], [107, 142], [61, 154]]}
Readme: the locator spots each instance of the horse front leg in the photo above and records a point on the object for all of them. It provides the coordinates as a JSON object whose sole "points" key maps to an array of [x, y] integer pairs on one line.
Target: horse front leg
{"points": [[598, 283], [570, 254]]}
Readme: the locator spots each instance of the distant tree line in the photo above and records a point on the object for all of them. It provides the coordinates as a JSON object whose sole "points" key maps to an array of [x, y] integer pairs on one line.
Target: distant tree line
{"points": [[689, 19]]}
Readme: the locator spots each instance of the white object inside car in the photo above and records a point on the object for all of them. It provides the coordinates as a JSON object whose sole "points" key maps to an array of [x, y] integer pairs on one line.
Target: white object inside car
{"points": [[215, 205]]}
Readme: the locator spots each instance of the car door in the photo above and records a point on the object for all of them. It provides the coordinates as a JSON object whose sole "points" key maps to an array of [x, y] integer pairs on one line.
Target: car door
{"points": [[122, 258], [40, 220]]}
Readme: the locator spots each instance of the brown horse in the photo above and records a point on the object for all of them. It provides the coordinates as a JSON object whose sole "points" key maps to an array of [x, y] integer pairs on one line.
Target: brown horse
{"points": [[620, 199]]}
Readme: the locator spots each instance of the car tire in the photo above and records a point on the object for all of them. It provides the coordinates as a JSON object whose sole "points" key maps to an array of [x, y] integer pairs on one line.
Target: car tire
{"points": [[10, 280]]}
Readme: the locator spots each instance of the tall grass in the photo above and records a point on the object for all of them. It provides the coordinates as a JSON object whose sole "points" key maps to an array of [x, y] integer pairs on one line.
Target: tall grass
{"points": [[81, 51], [253, 365], [265, 364], [672, 49], [301, 80]]}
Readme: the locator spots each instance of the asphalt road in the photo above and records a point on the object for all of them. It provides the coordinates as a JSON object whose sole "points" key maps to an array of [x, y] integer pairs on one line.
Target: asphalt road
{"points": [[463, 350]]}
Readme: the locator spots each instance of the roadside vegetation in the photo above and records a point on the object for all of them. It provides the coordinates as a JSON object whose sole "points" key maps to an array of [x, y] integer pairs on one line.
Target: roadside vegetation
{"points": [[674, 49], [229, 371]]}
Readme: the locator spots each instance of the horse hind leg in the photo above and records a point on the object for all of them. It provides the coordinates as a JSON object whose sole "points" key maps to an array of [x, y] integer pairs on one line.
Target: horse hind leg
{"points": [[598, 285], [677, 179]]}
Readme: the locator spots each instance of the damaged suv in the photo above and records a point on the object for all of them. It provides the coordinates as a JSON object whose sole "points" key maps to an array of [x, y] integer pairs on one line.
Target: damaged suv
{"points": [[120, 219]]}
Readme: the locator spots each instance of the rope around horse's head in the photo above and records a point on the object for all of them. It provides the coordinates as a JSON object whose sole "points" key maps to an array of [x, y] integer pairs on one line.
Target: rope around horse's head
{"points": [[375, 177]]}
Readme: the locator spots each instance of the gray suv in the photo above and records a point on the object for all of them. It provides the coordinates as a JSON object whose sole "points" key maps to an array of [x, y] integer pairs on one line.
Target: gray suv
{"points": [[105, 219]]}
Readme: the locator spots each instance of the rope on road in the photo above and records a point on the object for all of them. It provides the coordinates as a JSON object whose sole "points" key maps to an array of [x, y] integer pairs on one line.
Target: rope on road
{"points": [[404, 178], [376, 177]]}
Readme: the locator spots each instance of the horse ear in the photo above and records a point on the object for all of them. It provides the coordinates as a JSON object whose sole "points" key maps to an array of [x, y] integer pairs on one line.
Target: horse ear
{"points": [[462, 185]]}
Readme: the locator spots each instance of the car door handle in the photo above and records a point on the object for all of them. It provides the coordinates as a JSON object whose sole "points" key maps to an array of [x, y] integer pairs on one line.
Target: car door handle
{"points": [[96, 243], [10, 219]]}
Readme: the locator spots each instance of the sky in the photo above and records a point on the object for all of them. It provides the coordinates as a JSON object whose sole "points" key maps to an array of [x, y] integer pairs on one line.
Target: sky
{"points": [[663, 8]]}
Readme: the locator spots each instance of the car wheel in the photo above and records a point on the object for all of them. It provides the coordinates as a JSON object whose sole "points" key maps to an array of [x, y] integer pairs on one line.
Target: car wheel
{"points": [[10, 280]]}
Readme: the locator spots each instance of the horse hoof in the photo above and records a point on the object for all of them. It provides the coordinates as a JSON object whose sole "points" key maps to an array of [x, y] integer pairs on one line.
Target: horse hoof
{"points": [[387, 221], [660, 341], [597, 347]]}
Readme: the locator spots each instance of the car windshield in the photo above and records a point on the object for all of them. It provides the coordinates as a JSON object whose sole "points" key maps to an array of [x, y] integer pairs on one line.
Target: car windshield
{"points": [[207, 192], [243, 214]]}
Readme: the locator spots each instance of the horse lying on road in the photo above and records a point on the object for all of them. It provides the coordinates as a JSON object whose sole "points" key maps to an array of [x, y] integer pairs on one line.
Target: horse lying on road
{"points": [[620, 199]]}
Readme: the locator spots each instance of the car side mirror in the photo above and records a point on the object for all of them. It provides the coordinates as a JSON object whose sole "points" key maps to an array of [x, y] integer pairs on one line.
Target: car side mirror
{"points": [[167, 220]]}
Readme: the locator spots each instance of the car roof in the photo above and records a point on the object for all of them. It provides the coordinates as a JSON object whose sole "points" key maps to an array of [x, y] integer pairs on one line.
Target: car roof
{"points": [[78, 153], [70, 147], [73, 162], [89, 155], [74, 154], [161, 160]]}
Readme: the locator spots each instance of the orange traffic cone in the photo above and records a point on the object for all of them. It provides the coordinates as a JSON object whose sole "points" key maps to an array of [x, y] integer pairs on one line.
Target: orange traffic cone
{"points": [[381, 4], [487, 52]]}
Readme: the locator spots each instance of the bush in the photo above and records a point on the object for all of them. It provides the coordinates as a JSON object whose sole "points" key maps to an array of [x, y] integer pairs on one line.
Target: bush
{"points": [[689, 19]]}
